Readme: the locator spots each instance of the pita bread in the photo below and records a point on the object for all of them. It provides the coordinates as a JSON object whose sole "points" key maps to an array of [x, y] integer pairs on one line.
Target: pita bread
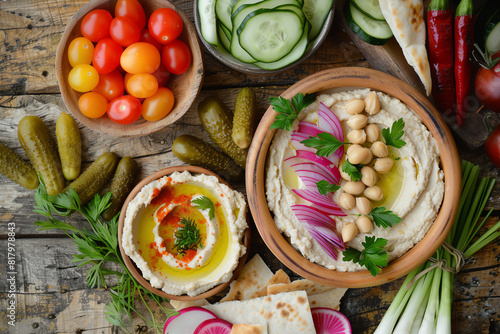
{"points": [[278, 278], [310, 287], [406, 20], [330, 298], [253, 277], [180, 304], [249, 329], [283, 313]]}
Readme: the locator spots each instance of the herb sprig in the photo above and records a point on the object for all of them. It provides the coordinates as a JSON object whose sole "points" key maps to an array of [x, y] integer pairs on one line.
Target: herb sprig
{"points": [[98, 247], [325, 187], [354, 171], [204, 203], [383, 217], [373, 257], [288, 111], [324, 143], [187, 236], [392, 136]]}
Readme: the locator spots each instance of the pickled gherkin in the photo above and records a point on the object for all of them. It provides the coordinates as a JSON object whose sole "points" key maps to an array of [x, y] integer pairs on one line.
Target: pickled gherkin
{"points": [[121, 185], [244, 118], [35, 139], [69, 145], [16, 169], [95, 177], [196, 152], [215, 120]]}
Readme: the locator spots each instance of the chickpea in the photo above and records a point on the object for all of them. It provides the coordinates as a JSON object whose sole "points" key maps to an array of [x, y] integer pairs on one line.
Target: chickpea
{"points": [[364, 224], [374, 193], [354, 106], [360, 155], [372, 133], [357, 122], [372, 103], [379, 149], [356, 137], [363, 205], [369, 176], [369, 157], [347, 201], [349, 231], [353, 147], [354, 188], [383, 165]]}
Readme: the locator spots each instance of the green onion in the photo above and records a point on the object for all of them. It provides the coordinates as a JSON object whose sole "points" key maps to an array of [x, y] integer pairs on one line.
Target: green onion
{"points": [[425, 306]]}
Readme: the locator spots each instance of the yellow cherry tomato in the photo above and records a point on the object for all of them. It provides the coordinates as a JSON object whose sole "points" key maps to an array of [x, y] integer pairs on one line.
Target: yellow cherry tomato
{"points": [[159, 105], [83, 78], [80, 51], [93, 105], [126, 78], [140, 57], [142, 85]]}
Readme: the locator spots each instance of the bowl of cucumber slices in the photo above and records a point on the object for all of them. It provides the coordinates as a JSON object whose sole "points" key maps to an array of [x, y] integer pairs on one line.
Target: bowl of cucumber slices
{"points": [[262, 36]]}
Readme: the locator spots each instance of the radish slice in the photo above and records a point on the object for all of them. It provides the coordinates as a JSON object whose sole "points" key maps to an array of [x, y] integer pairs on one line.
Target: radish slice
{"points": [[214, 326], [329, 321], [187, 320]]}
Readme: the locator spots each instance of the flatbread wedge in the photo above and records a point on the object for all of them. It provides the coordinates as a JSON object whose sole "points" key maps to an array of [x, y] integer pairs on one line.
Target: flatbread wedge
{"points": [[249, 329], [329, 299], [406, 20], [180, 304], [310, 287], [279, 277]]}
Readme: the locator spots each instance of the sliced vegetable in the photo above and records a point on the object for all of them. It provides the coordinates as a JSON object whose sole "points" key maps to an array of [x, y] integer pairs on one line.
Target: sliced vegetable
{"points": [[370, 8], [187, 320], [330, 321], [214, 326], [206, 12], [323, 203], [305, 169], [493, 39], [316, 13], [369, 30], [327, 163], [485, 20], [329, 122], [223, 10]]}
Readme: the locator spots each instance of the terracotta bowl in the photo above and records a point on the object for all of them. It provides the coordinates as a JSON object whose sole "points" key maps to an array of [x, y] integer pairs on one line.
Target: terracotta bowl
{"points": [[131, 265], [345, 79], [185, 87], [227, 59]]}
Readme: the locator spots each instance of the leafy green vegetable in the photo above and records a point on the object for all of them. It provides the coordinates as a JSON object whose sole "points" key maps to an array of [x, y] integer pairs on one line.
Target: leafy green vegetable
{"points": [[392, 136], [354, 171], [187, 236], [384, 218], [324, 143], [288, 112], [373, 257], [325, 187], [204, 203]]}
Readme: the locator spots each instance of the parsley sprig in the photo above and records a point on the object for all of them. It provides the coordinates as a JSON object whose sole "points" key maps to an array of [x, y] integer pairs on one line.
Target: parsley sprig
{"points": [[325, 187], [354, 171], [373, 257], [324, 143], [187, 236], [204, 203], [392, 136], [98, 247], [288, 111], [383, 217]]}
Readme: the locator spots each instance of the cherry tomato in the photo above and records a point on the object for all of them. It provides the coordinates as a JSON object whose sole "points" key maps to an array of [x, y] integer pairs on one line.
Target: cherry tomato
{"points": [[123, 31], [140, 58], [142, 85], [176, 57], [93, 105], [83, 78], [162, 75], [110, 85], [95, 25], [126, 79], [132, 10], [158, 105], [487, 87], [80, 51], [146, 37], [107, 56], [125, 109], [165, 25], [491, 144]]}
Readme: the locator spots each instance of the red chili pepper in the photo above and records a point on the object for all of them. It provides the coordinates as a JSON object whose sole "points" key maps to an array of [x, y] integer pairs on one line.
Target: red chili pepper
{"points": [[463, 52], [440, 32]]}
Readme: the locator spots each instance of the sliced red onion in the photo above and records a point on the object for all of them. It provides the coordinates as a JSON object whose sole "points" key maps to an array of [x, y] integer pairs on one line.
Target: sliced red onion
{"points": [[328, 163], [297, 137], [328, 121], [309, 128], [325, 203]]}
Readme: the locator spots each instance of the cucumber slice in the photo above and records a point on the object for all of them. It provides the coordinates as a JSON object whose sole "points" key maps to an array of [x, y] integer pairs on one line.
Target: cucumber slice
{"points": [[493, 39], [223, 10], [296, 9], [206, 12], [270, 34], [240, 3], [369, 30], [370, 8], [239, 16], [223, 37], [294, 55], [316, 12]]}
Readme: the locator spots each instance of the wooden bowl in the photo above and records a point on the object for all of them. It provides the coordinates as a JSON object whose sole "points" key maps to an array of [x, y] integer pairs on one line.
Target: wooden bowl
{"points": [[185, 87], [227, 59], [131, 265], [353, 77]]}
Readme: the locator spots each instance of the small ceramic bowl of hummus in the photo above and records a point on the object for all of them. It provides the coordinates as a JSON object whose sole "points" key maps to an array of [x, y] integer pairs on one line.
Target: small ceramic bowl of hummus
{"points": [[183, 233], [318, 212]]}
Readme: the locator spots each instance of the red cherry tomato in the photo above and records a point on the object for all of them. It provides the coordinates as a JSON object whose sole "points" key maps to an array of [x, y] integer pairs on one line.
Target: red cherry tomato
{"points": [[125, 109], [158, 105], [140, 58], [487, 87], [95, 25], [492, 145], [107, 55], [132, 10], [165, 25], [110, 85], [176, 57], [162, 75], [123, 31], [147, 38]]}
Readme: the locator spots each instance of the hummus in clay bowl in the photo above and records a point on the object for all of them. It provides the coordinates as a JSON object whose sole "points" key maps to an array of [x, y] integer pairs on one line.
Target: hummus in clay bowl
{"points": [[376, 189], [184, 232]]}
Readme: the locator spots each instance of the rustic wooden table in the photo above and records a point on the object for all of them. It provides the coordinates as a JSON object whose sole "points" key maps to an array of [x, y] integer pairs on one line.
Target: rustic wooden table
{"points": [[50, 290]]}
